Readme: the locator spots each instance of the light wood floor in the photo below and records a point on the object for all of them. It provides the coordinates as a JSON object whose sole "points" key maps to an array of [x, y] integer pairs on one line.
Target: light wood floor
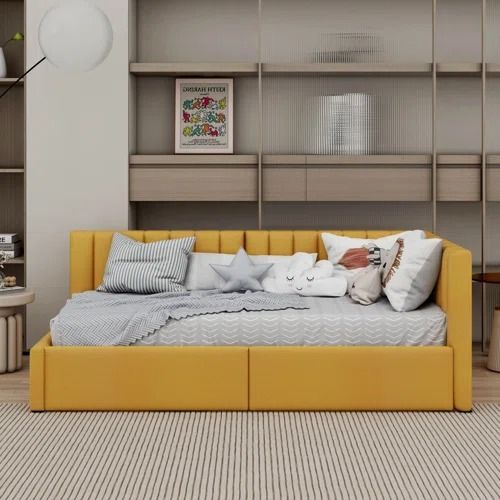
{"points": [[486, 384]]}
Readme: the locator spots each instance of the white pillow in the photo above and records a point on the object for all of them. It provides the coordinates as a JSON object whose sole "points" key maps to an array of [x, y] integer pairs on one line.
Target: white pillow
{"points": [[286, 271], [414, 275], [337, 246], [200, 276]]}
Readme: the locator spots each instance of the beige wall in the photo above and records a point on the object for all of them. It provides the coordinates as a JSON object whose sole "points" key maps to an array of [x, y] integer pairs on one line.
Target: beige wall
{"points": [[77, 158]]}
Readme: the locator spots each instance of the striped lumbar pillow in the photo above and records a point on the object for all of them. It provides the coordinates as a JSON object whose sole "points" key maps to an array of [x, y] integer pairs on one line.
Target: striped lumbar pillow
{"points": [[135, 267]]}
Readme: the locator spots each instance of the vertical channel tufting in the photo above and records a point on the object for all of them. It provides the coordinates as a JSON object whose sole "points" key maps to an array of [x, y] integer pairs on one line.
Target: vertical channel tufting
{"points": [[150, 236], [231, 241], [207, 241], [281, 243], [257, 242], [305, 241]]}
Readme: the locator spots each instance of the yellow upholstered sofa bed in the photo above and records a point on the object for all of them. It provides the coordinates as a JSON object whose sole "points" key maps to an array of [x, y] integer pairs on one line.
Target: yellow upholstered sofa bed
{"points": [[257, 378]]}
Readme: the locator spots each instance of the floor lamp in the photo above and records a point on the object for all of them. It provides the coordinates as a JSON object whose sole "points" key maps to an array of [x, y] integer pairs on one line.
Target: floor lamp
{"points": [[74, 35]]}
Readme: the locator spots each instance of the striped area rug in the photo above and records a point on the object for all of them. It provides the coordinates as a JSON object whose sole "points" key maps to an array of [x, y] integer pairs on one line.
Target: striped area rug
{"points": [[249, 455]]}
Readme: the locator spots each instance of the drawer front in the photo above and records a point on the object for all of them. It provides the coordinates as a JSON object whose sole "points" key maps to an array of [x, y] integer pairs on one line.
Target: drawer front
{"points": [[351, 378], [369, 184], [193, 184], [493, 184], [459, 184], [284, 184]]}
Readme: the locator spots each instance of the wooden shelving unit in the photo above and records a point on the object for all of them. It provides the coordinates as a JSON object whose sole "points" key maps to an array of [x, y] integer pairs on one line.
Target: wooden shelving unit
{"points": [[12, 148], [430, 134]]}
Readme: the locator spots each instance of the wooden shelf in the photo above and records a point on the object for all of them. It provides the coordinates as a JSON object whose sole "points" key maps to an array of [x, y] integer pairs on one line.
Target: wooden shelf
{"points": [[9, 81], [349, 68], [11, 170], [17, 260], [458, 69], [162, 160], [193, 69], [138, 161], [465, 159]]}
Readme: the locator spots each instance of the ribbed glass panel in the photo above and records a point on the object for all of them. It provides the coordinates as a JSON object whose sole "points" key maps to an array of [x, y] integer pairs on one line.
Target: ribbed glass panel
{"points": [[296, 31], [318, 114], [458, 33], [458, 116], [197, 30], [492, 47], [492, 129]]}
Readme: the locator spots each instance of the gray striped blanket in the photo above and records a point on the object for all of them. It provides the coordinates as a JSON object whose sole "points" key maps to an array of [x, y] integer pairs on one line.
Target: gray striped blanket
{"points": [[97, 318]]}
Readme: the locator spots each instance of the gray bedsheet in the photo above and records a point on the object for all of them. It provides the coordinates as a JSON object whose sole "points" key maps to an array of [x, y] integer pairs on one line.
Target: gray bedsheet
{"points": [[328, 321], [97, 318]]}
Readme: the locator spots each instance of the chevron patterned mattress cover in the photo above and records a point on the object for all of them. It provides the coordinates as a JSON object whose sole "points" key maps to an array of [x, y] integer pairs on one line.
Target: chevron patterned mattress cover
{"points": [[328, 322]]}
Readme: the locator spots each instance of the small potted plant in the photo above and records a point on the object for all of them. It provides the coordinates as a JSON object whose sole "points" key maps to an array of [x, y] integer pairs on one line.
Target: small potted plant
{"points": [[17, 37], [3, 260]]}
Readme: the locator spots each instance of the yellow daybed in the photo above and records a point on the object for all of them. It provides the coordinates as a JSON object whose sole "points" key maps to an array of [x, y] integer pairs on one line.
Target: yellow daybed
{"points": [[257, 378]]}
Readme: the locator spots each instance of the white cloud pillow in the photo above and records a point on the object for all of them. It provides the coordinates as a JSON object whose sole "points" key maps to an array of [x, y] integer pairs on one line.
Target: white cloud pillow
{"points": [[412, 279], [286, 272], [337, 246], [200, 276]]}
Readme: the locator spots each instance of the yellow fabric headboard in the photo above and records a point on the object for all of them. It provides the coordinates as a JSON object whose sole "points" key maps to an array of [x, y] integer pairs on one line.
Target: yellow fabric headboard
{"points": [[89, 249]]}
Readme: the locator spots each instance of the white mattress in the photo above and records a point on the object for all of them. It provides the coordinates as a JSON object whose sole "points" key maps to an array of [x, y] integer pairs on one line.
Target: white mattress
{"points": [[329, 321]]}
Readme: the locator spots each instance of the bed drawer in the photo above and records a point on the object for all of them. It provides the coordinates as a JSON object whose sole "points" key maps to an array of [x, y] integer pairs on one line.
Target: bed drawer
{"points": [[146, 378], [351, 378]]}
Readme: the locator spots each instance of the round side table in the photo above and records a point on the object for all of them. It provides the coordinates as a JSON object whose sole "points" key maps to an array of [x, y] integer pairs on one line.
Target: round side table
{"points": [[494, 350], [11, 328]]}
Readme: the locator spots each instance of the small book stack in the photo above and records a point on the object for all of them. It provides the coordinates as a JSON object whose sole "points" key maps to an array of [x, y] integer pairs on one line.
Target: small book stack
{"points": [[11, 245]]}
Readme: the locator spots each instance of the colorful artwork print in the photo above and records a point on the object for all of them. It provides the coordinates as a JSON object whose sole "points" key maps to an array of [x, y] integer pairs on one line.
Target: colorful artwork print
{"points": [[204, 112]]}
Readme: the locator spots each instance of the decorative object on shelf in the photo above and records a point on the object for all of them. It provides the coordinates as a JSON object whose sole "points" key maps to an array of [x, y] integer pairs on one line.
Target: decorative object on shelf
{"points": [[348, 48], [204, 115], [3, 260], [11, 328], [343, 125], [10, 281], [17, 37], [7, 238], [74, 35]]}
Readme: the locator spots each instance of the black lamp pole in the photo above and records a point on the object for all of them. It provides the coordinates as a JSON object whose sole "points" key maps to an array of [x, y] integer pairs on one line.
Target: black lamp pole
{"points": [[21, 77]]}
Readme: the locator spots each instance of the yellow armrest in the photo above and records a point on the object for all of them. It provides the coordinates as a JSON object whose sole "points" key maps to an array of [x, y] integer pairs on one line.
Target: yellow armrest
{"points": [[37, 373], [454, 296]]}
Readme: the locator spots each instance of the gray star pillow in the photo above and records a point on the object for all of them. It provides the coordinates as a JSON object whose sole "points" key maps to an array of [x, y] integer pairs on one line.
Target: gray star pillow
{"points": [[241, 274]]}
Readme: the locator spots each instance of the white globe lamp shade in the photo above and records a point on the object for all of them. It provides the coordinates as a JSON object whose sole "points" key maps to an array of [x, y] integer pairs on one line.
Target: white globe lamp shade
{"points": [[75, 35]]}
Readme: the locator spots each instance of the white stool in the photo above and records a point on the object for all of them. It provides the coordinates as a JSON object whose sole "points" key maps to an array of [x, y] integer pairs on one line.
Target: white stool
{"points": [[494, 352], [11, 329]]}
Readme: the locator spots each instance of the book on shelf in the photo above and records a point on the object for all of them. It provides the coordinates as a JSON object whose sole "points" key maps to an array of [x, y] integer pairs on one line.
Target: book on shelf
{"points": [[9, 237], [12, 254], [10, 247]]}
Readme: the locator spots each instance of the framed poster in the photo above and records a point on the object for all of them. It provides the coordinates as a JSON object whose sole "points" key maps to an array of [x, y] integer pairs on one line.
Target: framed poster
{"points": [[204, 115]]}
